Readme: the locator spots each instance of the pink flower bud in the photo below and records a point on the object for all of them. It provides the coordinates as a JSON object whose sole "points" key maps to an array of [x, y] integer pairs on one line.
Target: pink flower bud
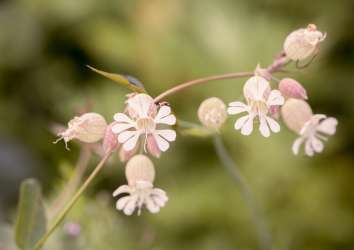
{"points": [[88, 128], [212, 113], [295, 113], [302, 43], [292, 89], [139, 169], [110, 140], [152, 146]]}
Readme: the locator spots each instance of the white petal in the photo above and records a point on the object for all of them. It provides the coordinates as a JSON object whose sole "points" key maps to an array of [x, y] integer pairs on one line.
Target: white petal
{"points": [[152, 206], [296, 145], [159, 199], [119, 127], [274, 126], [245, 123], [122, 202], [236, 108], [120, 117], [275, 98], [308, 148], [255, 88], [131, 142], [328, 126], [163, 112], [169, 120], [121, 190], [168, 134], [263, 127], [161, 143], [240, 122], [317, 145], [124, 136], [131, 205], [141, 104]]}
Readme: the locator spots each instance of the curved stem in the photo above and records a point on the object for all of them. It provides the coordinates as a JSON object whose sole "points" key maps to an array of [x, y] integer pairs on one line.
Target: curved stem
{"points": [[182, 86], [71, 203], [264, 236]]}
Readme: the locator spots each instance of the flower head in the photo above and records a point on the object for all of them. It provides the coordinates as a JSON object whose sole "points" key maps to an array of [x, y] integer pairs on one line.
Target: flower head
{"points": [[143, 119], [260, 98], [298, 116], [89, 128], [212, 113], [140, 174], [302, 43]]}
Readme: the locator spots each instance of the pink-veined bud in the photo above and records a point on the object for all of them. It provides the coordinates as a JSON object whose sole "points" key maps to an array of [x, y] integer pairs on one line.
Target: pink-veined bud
{"points": [[88, 128], [139, 169], [295, 113], [126, 155], [212, 113], [302, 43], [290, 88], [152, 146], [110, 140]]}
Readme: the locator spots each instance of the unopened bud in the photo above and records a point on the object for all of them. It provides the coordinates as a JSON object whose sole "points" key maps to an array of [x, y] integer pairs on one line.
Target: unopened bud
{"points": [[296, 113], [89, 128], [290, 88], [139, 169], [302, 43], [212, 113], [110, 140]]}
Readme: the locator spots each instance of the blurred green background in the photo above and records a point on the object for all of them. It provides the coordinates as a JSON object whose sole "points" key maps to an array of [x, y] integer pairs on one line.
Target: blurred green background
{"points": [[308, 203]]}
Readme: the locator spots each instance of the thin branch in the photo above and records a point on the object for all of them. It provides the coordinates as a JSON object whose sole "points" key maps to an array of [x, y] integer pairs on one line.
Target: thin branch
{"points": [[264, 235]]}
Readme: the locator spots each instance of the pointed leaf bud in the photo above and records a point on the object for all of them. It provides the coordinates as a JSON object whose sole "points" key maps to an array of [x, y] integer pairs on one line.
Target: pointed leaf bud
{"points": [[302, 43], [212, 113], [296, 113], [139, 169], [292, 89]]}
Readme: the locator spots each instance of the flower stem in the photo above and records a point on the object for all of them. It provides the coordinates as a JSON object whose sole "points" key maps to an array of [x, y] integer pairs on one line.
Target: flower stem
{"points": [[184, 85], [71, 203], [264, 235]]}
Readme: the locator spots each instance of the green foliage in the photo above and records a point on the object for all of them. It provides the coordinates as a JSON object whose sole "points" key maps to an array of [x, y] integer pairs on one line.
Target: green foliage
{"points": [[31, 220]]}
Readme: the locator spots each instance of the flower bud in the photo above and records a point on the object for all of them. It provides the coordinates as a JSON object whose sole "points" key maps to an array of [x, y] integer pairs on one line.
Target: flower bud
{"points": [[212, 113], [89, 128], [139, 169], [292, 89], [302, 43], [110, 140], [296, 113]]}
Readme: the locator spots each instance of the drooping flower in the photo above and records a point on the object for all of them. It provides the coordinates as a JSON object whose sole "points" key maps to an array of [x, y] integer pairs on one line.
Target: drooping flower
{"points": [[140, 174], [88, 128], [302, 43], [260, 98], [212, 113], [143, 119], [312, 129]]}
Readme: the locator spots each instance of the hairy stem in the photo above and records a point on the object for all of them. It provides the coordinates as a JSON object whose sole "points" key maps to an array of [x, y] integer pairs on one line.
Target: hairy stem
{"points": [[264, 235], [71, 203], [184, 85]]}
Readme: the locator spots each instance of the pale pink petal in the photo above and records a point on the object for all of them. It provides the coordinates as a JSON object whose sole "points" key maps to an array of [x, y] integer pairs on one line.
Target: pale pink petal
{"points": [[296, 145], [131, 205], [255, 88], [120, 117], [131, 142], [162, 143], [317, 145], [122, 202], [240, 122], [236, 108], [308, 148], [169, 120], [152, 206], [263, 127], [274, 126], [121, 190], [141, 104], [152, 146], [275, 98], [328, 126], [167, 134], [248, 126], [119, 127], [124, 136], [163, 112]]}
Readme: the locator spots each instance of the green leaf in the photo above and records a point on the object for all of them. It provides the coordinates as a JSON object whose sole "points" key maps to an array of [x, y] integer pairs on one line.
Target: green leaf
{"points": [[197, 132], [31, 220], [124, 80]]}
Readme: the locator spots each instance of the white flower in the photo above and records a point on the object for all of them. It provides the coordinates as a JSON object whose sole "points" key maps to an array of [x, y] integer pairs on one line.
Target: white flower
{"points": [[259, 98], [142, 193], [313, 132], [140, 174], [144, 119]]}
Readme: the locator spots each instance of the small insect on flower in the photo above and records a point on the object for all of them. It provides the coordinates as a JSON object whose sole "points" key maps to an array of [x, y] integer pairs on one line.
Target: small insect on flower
{"points": [[298, 116], [143, 118], [302, 43], [291, 88], [260, 98], [140, 174], [88, 128], [212, 113]]}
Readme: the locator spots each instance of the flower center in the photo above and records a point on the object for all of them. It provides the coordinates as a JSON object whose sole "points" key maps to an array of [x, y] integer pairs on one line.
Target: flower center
{"points": [[146, 124], [258, 107]]}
